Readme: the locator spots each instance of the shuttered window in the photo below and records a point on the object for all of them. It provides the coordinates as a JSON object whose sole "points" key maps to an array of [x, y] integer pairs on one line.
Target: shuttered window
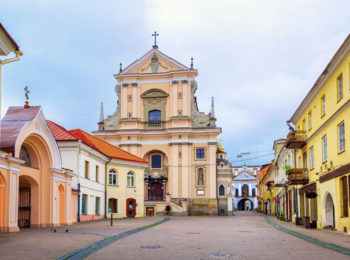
{"points": [[345, 196]]}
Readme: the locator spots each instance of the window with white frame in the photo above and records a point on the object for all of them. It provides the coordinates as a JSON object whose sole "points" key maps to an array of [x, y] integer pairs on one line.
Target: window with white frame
{"points": [[323, 105], [341, 137], [311, 152], [130, 179], [324, 148], [310, 120], [340, 87], [112, 177]]}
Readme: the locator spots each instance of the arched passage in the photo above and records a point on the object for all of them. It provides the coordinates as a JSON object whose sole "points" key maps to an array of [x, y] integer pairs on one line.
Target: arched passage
{"points": [[329, 211], [244, 203]]}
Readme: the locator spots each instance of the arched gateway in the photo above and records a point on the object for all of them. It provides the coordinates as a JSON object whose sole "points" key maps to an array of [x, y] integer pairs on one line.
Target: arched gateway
{"points": [[39, 188], [329, 211]]}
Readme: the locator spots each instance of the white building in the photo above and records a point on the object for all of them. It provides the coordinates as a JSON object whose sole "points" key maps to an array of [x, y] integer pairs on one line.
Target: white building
{"points": [[244, 191], [88, 165]]}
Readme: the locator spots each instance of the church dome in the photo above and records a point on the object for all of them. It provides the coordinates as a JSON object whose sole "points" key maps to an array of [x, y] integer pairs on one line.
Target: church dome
{"points": [[221, 148]]}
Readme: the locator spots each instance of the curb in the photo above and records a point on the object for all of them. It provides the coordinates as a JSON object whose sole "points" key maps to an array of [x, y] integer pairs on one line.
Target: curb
{"points": [[334, 247], [88, 250]]}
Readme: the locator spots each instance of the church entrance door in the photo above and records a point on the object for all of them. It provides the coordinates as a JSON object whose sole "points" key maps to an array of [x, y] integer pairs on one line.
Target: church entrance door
{"points": [[130, 208], [156, 191]]}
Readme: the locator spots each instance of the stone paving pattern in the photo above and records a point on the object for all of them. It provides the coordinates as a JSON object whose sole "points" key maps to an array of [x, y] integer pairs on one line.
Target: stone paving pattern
{"points": [[244, 236], [44, 244]]}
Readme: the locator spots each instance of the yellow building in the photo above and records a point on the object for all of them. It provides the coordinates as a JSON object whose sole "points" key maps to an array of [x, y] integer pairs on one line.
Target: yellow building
{"points": [[157, 119], [321, 143], [269, 191]]}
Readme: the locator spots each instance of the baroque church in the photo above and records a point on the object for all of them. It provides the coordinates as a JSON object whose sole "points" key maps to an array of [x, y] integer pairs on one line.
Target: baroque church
{"points": [[157, 119]]}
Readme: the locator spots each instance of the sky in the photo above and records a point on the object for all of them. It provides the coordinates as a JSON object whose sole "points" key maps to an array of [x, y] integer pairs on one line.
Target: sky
{"points": [[257, 58]]}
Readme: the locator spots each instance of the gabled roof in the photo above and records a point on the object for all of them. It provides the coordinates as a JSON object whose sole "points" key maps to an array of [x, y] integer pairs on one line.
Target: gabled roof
{"points": [[7, 41], [109, 150], [150, 54], [60, 133], [244, 176], [106, 148], [263, 171], [11, 125]]}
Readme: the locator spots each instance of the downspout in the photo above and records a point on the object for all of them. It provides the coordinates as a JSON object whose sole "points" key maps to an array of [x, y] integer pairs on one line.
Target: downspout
{"points": [[106, 179], [78, 170]]}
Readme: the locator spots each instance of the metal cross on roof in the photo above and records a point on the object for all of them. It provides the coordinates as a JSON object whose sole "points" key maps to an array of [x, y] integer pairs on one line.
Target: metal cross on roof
{"points": [[155, 34], [27, 97]]}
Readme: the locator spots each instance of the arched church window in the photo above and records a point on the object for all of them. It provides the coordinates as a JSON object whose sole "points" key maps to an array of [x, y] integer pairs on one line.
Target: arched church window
{"points": [[200, 178], [222, 190], [221, 156], [245, 190], [253, 193], [130, 179], [236, 192], [155, 115], [24, 155], [112, 177], [156, 160]]}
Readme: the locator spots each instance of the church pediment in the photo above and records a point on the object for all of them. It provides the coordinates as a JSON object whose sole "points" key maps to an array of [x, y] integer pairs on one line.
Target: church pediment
{"points": [[154, 61], [244, 176], [154, 93]]}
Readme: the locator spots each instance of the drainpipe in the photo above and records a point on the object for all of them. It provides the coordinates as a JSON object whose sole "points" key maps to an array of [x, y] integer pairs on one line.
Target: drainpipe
{"points": [[78, 171], [3, 62], [106, 179]]}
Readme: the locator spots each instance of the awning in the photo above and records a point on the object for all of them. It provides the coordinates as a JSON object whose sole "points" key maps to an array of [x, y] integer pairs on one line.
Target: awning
{"points": [[308, 187]]}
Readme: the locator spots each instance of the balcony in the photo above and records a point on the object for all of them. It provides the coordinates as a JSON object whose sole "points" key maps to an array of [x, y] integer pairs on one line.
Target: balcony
{"points": [[296, 139], [154, 124], [297, 176]]}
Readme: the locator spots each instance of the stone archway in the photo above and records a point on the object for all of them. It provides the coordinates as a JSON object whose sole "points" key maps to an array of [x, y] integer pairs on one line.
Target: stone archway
{"points": [[2, 200], [329, 211], [242, 204]]}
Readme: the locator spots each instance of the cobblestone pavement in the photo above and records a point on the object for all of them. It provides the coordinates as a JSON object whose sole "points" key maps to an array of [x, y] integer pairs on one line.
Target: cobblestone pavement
{"points": [[44, 244], [338, 238], [244, 236]]}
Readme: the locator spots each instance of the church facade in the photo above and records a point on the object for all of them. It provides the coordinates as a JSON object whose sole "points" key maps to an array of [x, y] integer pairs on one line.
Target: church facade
{"points": [[244, 188], [157, 119]]}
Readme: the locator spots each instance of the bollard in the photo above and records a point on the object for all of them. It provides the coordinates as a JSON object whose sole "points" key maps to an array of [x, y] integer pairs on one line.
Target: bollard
{"points": [[111, 219]]}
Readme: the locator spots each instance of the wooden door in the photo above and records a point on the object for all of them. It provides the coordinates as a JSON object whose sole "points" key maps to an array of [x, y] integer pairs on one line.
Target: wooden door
{"points": [[24, 208], [130, 207]]}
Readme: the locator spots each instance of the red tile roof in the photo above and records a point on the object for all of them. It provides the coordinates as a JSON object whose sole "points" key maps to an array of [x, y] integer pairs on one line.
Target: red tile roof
{"points": [[109, 150], [263, 171], [106, 148], [59, 132]]}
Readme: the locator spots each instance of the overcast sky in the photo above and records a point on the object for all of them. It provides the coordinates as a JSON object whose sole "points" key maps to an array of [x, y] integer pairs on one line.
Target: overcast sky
{"points": [[257, 58]]}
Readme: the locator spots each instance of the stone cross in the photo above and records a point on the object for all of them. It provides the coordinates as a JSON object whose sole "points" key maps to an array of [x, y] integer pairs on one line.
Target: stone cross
{"points": [[27, 97]]}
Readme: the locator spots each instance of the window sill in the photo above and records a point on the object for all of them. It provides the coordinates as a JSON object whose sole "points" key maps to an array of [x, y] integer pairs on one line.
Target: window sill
{"points": [[131, 187], [340, 152], [113, 185]]}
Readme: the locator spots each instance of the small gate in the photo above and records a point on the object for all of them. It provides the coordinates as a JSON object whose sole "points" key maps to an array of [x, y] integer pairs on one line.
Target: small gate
{"points": [[24, 208]]}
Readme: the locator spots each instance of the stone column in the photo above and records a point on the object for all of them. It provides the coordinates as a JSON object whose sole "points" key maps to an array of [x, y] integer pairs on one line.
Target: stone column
{"points": [[212, 169], [55, 197], [173, 161], [124, 101], [185, 98], [174, 100], [13, 201], [250, 190], [185, 171], [69, 203], [134, 101], [239, 189]]}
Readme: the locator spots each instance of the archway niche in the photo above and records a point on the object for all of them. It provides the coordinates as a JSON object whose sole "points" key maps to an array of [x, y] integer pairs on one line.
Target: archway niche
{"points": [[329, 211]]}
